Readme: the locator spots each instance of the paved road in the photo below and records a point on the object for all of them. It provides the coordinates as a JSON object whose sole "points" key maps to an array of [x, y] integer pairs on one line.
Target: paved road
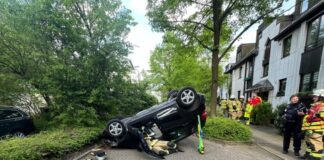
{"points": [[268, 139], [213, 151]]}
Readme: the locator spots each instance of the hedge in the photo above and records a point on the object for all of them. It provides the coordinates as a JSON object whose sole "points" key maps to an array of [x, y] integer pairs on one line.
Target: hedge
{"points": [[278, 121], [227, 129], [52, 144], [262, 114]]}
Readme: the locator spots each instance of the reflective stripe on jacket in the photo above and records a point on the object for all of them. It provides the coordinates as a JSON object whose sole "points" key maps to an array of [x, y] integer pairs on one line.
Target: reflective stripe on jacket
{"points": [[313, 121]]}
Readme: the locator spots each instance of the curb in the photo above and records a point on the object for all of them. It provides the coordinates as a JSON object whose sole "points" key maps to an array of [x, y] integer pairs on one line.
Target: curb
{"points": [[271, 152], [82, 155], [225, 142]]}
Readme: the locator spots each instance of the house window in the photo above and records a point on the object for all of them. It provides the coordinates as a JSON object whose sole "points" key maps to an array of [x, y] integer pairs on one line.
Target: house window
{"points": [[250, 69], [266, 58], [265, 70], [315, 33], [303, 6], [282, 87], [321, 29], [308, 81], [240, 73], [286, 47], [260, 35], [238, 56], [248, 84]]}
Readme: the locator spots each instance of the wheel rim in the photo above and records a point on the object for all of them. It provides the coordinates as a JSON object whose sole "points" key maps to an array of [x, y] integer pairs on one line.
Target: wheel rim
{"points": [[19, 134], [187, 96], [115, 129]]}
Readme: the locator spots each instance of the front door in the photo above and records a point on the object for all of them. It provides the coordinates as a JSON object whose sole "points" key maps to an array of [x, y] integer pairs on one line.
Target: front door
{"points": [[264, 95]]}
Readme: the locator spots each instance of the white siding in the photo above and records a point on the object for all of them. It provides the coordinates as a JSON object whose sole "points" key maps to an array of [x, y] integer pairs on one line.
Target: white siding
{"points": [[238, 83], [287, 67], [281, 68], [268, 33]]}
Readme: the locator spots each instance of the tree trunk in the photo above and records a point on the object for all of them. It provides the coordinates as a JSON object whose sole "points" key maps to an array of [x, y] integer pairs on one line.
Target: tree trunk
{"points": [[217, 9]]}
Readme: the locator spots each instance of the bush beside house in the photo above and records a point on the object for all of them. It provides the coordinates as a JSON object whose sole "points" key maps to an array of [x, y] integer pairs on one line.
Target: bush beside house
{"points": [[227, 129], [262, 114], [278, 122]]}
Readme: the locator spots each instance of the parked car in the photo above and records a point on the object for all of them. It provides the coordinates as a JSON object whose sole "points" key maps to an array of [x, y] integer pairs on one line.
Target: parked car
{"points": [[176, 119], [15, 122]]}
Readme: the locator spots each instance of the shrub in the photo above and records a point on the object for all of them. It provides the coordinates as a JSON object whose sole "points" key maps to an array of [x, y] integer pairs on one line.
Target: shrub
{"points": [[76, 115], [226, 129], [262, 113], [278, 122], [52, 144]]}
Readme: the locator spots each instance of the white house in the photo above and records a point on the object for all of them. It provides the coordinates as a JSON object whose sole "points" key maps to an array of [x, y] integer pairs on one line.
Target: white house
{"points": [[305, 38], [289, 54], [241, 71]]}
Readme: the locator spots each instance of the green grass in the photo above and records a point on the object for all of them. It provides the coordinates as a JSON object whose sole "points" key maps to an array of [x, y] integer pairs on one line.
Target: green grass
{"points": [[51, 144], [226, 129]]}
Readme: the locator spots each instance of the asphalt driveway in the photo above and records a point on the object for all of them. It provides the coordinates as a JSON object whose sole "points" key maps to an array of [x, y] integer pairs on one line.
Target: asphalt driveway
{"points": [[213, 151]]}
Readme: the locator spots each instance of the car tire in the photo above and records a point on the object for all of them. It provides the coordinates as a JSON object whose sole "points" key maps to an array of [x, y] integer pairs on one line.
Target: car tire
{"points": [[116, 128], [19, 134], [186, 97]]}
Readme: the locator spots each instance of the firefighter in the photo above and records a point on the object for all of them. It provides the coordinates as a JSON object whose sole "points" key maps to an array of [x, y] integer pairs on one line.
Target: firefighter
{"points": [[247, 111], [313, 127], [255, 100], [231, 107], [239, 107], [160, 147], [223, 106], [150, 144]]}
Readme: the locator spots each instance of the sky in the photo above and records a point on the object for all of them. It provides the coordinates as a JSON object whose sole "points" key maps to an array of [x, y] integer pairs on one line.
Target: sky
{"points": [[144, 39]]}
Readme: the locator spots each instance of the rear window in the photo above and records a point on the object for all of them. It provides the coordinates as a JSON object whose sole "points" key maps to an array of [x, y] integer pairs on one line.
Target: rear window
{"points": [[8, 114]]}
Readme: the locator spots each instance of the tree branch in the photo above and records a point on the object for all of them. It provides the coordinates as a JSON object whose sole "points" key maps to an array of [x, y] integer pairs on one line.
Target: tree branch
{"points": [[194, 22], [83, 17], [228, 10], [203, 4], [196, 38], [246, 28]]}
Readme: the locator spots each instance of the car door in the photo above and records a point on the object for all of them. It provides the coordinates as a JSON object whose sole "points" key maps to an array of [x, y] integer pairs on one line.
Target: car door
{"points": [[172, 118], [9, 120], [3, 123]]}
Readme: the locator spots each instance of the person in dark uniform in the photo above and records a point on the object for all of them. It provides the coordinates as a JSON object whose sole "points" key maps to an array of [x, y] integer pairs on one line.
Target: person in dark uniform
{"points": [[293, 116]]}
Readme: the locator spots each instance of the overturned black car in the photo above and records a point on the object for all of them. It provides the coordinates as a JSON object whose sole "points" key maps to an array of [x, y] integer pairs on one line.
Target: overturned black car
{"points": [[175, 119]]}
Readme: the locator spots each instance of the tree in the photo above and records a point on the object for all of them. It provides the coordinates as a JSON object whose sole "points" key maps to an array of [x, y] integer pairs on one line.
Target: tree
{"points": [[174, 65], [73, 53], [192, 19]]}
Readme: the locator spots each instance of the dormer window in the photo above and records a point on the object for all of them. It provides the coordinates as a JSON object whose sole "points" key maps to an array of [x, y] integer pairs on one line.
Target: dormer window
{"points": [[266, 58], [303, 6]]}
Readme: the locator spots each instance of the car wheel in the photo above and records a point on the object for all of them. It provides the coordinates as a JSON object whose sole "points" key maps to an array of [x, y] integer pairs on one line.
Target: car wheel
{"points": [[186, 97], [19, 134], [115, 128]]}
